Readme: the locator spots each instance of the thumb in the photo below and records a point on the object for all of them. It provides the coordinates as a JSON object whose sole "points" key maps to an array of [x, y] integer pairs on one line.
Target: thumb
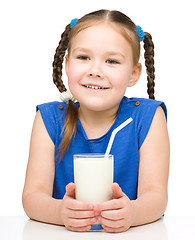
{"points": [[70, 190], [117, 191]]}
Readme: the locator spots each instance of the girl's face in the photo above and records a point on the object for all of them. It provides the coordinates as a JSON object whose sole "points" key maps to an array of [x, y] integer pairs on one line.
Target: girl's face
{"points": [[100, 67]]}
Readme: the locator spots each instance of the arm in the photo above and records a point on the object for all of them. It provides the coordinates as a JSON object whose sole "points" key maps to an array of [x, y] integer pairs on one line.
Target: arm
{"points": [[37, 194], [153, 172], [37, 201], [152, 197]]}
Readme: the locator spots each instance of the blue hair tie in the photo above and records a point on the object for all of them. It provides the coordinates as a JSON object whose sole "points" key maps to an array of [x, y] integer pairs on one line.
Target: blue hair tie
{"points": [[73, 22], [140, 33]]}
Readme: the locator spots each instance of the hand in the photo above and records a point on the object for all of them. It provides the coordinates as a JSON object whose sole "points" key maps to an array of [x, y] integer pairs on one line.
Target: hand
{"points": [[76, 215], [117, 214]]}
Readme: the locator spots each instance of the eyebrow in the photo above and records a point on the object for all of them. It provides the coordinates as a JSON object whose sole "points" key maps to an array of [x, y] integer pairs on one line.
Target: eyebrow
{"points": [[110, 53], [113, 53], [81, 49]]}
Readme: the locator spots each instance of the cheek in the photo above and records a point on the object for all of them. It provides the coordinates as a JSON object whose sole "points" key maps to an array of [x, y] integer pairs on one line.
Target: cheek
{"points": [[120, 79], [74, 73]]}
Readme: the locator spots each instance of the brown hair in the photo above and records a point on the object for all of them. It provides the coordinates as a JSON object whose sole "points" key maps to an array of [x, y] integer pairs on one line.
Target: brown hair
{"points": [[128, 30]]}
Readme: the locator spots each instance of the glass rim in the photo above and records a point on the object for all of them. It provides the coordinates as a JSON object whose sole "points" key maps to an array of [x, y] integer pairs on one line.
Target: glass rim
{"points": [[88, 155]]}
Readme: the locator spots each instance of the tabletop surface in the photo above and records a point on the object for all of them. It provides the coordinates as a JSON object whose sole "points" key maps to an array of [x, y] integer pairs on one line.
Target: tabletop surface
{"points": [[167, 228]]}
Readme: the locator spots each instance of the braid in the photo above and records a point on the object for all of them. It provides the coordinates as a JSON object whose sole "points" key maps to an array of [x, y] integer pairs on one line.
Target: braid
{"points": [[69, 127], [59, 58], [149, 62]]}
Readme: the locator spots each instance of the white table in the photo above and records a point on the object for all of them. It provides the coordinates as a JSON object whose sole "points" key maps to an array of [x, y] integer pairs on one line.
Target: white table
{"points": [[167, 228]]}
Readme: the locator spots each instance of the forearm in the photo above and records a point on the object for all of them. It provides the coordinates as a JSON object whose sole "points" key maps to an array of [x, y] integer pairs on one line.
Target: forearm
{"points": [[42, 207], [149, 207]]}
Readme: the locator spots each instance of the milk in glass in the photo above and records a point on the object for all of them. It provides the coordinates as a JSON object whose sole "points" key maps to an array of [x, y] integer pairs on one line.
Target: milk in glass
{"points": [[93, 177]]}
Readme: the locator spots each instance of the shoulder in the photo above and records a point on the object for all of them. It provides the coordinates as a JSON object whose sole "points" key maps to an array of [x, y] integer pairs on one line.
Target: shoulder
{"points": [[142, 102], [143, 111], [141, 107], [52, 106], [52, 114], [52, 110]]}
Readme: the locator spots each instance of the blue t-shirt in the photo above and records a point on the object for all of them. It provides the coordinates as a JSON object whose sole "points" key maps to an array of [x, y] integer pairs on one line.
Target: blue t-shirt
{"points": [[125, 147]]}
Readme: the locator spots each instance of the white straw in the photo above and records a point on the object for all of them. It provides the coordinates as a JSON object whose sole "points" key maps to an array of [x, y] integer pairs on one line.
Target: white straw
{"points": [[124, 124]]}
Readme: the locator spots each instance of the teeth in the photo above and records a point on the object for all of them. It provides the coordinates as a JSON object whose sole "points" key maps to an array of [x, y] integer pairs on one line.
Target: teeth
{"points": [[93, 87]]}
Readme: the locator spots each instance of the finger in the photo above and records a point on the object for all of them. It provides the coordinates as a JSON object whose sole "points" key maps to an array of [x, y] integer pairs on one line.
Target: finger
{"points": [[70, 190], [117, 191], [113, 214], [113, 230], [109, 205], [72, 222], [80, 214], [112, 223], [74, 204]]}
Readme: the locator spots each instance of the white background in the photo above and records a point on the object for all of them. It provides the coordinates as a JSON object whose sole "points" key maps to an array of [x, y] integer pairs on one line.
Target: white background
{"points": [[29, 34]]}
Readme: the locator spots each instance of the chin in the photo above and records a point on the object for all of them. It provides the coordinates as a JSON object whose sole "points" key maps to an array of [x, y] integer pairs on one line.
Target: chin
{"points": [[99, 103], [96, 107], [100, 106]]}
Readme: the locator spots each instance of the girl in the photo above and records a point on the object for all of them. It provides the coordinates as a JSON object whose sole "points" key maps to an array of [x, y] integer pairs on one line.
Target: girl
{"points": [[103, 50]]}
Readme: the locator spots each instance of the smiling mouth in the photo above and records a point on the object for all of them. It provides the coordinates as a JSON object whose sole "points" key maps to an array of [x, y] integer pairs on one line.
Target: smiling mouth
{"points": [[94, 87]]}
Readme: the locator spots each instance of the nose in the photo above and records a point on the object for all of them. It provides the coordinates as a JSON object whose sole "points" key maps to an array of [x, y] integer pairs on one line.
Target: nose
{"points": [[95, 70], [98, 75]]}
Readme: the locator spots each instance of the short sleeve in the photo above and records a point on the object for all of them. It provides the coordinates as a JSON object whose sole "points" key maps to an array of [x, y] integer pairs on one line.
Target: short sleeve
{"points": [[146, 116], [49, 118]]}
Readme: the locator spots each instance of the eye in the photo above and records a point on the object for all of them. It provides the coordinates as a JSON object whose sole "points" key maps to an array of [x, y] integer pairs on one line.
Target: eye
{"points": [[82, 57], [112, 61]]}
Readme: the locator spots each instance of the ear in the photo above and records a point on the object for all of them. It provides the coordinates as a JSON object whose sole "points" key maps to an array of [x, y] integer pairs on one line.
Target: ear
{"points": [[66, 64], [137, 69]]}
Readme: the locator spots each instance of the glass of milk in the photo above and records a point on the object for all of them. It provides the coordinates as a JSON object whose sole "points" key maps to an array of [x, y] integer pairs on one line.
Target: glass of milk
{"points": [[93, 177]]}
